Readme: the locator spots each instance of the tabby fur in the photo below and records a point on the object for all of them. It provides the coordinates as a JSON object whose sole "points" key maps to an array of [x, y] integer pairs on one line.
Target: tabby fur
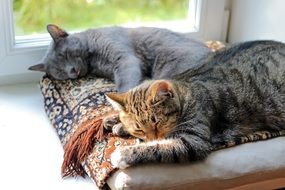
{"points": [[235, 96]]}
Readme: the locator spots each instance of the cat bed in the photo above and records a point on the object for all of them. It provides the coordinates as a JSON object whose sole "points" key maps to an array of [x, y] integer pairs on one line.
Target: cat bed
{"points": [[76, 109]]}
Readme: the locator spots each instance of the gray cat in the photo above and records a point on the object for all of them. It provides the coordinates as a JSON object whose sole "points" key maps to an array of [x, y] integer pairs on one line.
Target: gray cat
{"points": [[126, 56]]}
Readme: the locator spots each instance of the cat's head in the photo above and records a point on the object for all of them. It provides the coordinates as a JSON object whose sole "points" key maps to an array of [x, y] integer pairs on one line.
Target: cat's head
{"points": [[149, 111], [66, 57]]}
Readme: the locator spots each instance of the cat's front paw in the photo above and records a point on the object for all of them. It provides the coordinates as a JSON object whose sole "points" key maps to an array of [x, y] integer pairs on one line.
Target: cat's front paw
{"points": [[119, 158], [119, 130], [111, 120]]}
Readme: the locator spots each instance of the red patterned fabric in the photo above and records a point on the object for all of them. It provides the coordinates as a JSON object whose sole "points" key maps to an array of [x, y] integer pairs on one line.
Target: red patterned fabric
{"points": [[71, 103]]}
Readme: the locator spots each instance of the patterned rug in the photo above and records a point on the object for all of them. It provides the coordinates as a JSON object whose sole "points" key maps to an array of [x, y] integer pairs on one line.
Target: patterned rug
{"points": [[71, 105], [76, 109]]}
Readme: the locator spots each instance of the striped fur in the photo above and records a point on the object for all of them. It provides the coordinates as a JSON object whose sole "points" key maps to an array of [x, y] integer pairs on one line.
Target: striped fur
{"points": [[235, 96]]}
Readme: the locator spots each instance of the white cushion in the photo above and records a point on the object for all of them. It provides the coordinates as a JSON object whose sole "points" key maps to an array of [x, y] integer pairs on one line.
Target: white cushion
{"points": [[227, 164]]}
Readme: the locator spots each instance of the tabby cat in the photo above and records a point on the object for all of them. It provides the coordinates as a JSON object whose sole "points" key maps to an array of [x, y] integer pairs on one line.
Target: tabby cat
{"points": [[234, 93], [124, 55]]}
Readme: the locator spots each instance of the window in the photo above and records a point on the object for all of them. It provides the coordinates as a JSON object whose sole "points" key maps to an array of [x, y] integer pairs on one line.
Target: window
{"points": [[80, 14], [24, 39]]}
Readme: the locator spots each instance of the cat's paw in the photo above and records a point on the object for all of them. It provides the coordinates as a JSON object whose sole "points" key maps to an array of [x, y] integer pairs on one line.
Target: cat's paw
{"points": [[110, 121], [119, 130], [119, 159]]}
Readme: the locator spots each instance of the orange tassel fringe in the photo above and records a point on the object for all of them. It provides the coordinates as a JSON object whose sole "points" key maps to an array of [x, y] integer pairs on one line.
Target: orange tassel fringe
{"points": [[80, 145]]}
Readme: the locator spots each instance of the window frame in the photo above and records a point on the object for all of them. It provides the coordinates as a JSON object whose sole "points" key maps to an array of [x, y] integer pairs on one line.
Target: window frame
{"points": [[17, 56]]}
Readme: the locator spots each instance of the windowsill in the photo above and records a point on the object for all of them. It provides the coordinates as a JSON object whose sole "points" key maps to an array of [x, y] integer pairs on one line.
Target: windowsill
{"points": [[32, 153]]}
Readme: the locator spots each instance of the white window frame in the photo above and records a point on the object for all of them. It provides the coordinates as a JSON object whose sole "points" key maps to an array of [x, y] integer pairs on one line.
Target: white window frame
{"points": [[17, 55]]}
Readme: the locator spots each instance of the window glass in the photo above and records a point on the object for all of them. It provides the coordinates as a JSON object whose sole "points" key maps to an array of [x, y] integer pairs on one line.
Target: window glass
{"points": [[31, 16]]}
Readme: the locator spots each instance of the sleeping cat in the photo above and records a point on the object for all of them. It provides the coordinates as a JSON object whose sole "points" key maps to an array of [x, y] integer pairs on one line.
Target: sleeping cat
{"points": [[124, 55], [234, 93]]}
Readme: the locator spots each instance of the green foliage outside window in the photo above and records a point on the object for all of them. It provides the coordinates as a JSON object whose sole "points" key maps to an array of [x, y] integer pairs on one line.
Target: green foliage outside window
{"points": [[31, 16]]}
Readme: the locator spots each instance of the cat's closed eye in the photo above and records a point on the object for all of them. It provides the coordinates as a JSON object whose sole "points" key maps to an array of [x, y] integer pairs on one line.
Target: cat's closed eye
{"points": [[137, 126], [58, 72], [139, 131], [62, 54]]}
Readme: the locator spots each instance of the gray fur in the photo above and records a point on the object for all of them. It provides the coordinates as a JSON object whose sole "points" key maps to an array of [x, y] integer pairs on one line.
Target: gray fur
{"points": [[124, 55]]}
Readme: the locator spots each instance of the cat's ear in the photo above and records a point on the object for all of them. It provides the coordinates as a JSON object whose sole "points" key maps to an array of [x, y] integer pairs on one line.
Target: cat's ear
{"points": [[56, 32], [38, 67], [116, 100], [161, 90]]}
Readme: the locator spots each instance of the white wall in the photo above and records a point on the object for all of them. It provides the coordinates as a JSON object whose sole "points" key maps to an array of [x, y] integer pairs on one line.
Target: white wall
{"points": [[257, 19]]}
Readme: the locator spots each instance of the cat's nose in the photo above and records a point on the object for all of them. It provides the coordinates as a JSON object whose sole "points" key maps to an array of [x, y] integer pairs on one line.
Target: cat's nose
{"points": [[74, 71]]}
